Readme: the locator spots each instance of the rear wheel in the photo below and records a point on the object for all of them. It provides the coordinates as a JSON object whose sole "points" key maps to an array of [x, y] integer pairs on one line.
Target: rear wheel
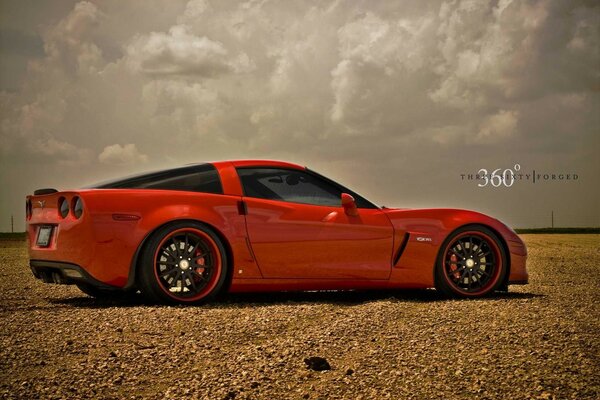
{"points": [[472, 263], [183, 263]]}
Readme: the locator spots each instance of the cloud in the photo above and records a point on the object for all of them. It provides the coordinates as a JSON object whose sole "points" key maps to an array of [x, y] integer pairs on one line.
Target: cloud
{"points": [[122, 155], [498, 127], [512, 52], [71, 42], [180, 52], [63, 153]]}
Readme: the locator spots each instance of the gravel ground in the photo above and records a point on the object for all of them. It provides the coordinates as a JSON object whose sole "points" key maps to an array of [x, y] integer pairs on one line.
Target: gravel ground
{"points": [[538, 341]]}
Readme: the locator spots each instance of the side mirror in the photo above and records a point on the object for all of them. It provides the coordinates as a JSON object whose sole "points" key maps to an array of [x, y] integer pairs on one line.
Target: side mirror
{"points": [[349, 205]]}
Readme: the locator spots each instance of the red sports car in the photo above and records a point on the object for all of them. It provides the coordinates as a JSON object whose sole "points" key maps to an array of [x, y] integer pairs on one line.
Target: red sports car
{"points": [[185, 234]]}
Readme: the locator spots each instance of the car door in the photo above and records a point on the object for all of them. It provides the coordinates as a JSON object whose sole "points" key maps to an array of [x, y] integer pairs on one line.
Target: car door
{"points": [[298, 228]]}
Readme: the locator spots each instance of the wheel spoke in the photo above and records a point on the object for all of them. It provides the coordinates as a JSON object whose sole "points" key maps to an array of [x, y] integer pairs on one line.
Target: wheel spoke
{"points": [[180, 283], [167, 252], [199, 275], [468, 276], [177, 249], [463, 249], [483, 272], [170, 263], [483, 254], [184, 284], [478, 281], [193, 282], [191, 252], [166, 274]]}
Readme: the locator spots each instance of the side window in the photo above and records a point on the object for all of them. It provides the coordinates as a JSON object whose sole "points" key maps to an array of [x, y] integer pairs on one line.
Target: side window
{"points": [[205, 182], [288, 185], [197, 178]]}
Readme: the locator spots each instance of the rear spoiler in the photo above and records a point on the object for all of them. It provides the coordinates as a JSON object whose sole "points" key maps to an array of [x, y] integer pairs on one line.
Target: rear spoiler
{"points": [[41, 192]]}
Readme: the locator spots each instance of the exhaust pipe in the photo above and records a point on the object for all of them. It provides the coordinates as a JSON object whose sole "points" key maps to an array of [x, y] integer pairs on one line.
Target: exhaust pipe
{"points": [[46, 277], [57, 278]]}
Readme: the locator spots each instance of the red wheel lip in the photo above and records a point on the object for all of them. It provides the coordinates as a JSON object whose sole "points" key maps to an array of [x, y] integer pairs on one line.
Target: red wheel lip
{"points": [[497, 273], [217, 268]]}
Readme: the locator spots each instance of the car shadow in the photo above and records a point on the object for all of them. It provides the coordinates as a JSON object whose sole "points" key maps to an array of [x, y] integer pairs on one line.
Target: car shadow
{"points": [[343, 298]]}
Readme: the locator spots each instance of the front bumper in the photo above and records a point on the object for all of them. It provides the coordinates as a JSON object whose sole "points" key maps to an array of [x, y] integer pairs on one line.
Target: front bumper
{"points": [[518, 263]]}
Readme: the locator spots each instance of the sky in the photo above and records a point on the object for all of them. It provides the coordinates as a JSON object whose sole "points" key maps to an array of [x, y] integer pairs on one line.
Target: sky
{"points": [[399, 100]]}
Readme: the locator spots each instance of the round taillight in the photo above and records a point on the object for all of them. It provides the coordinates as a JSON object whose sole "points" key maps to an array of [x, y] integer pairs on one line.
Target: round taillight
{"points": [[28, 209], [63, 207], [77, 207]]}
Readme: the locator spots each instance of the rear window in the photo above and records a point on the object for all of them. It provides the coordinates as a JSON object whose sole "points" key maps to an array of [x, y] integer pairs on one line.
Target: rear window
{"points": [[202, 178]]}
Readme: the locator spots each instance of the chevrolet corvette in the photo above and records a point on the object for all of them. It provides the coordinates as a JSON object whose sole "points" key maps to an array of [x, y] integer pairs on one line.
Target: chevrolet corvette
{"points": [[184, 235]]}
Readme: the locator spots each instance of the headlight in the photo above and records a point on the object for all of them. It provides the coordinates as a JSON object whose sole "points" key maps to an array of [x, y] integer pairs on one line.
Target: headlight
{"points": [[77, 207], [63, 207]]}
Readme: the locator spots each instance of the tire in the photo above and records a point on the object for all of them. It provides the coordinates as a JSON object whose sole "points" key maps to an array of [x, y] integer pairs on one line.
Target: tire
{"points": [[471, 263], [183, 263], [104, 294]]}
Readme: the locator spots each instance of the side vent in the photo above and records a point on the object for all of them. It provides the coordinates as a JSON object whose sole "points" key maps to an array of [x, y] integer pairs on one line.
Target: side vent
{"points": [[401, 248], [41, 192]]}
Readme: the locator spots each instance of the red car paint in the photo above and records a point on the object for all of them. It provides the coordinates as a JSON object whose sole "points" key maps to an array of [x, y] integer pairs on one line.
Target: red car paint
{"points": [[272, 245]]}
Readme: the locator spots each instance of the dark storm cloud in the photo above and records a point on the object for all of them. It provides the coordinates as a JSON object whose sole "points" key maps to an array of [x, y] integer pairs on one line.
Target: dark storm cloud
{"points": [[396, 98]]}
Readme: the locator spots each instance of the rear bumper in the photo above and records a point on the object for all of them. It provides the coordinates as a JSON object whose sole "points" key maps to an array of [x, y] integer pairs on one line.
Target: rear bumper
{"points": [[91, 244], [63, 273]]}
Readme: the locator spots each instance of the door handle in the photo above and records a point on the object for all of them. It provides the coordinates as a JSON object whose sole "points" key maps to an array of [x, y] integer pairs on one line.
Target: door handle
{"points": [[242, 207]]}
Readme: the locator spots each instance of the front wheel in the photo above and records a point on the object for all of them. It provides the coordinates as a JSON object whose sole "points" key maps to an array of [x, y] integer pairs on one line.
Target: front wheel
{"points": [[183, 263], [471, 263]]}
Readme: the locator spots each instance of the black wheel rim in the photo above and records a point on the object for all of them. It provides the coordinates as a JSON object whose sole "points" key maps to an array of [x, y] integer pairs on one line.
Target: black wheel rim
{"points": [[186, 264], [471, 263]]}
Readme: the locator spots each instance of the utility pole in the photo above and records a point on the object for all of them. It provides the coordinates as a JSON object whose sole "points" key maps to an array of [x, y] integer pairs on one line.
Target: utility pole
{"points": [[552, 215], [12, 223]]}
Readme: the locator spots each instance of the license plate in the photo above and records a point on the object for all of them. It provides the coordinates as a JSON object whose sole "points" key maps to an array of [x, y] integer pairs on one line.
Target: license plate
{"points": [[44, 235]]}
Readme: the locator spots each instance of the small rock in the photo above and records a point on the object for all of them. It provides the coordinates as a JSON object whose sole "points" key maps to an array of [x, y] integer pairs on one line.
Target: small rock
{"points": [[230, 395], [349, 371], [317, 364]]}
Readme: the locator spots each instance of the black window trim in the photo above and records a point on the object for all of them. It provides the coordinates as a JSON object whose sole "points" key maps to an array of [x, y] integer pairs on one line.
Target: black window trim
{"points": [[314, 174], [115, 184]]}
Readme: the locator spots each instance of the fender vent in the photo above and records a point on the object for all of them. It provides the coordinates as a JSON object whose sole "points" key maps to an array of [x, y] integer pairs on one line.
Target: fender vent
{"points": [[401, 248]]}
